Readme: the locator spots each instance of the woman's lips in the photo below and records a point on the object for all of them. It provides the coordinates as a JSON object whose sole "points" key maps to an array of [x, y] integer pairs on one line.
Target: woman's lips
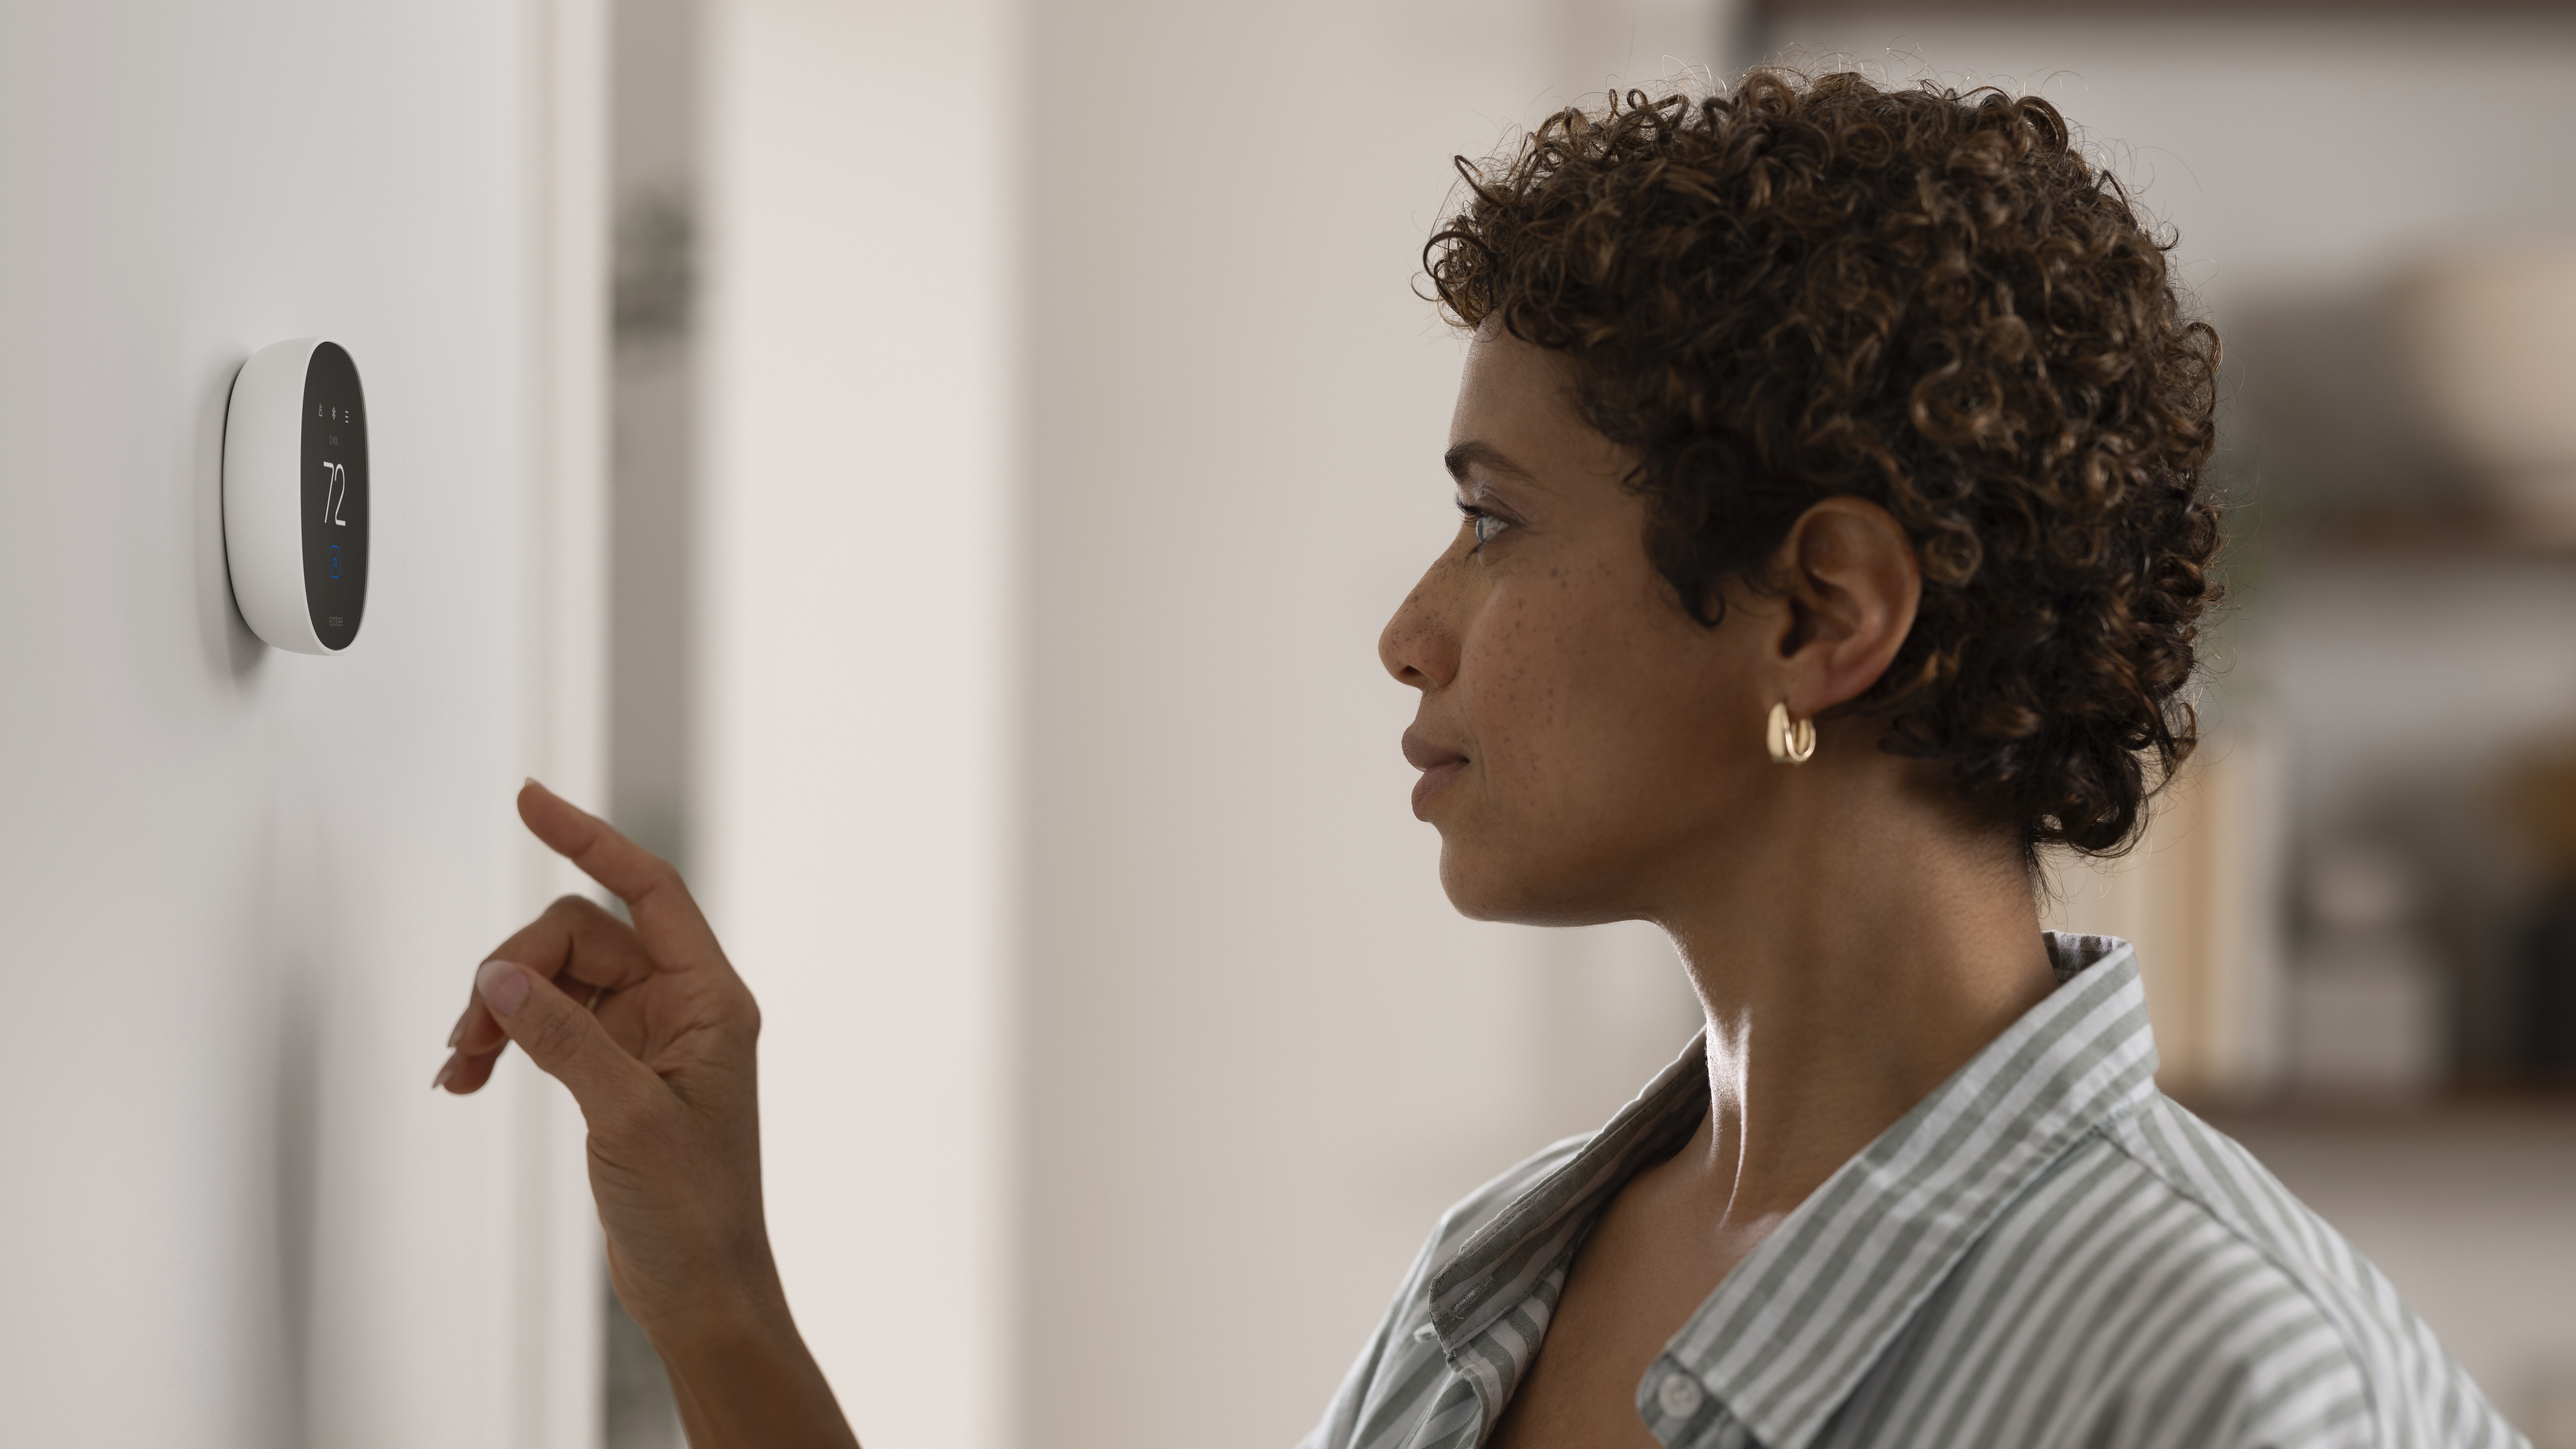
{"points": [[1438, 764], [1430, 783]]}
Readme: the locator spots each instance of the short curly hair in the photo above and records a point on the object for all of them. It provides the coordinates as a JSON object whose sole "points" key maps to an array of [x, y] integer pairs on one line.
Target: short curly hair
{"points": [[1807, 287]]}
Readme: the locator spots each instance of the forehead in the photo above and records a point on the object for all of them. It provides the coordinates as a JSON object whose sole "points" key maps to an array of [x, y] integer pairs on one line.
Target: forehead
{"points": [[1517, 418], [1510, 389]]}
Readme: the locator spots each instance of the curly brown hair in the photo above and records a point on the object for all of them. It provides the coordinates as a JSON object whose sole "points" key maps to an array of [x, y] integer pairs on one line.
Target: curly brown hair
{"points": [[1931, 300]]}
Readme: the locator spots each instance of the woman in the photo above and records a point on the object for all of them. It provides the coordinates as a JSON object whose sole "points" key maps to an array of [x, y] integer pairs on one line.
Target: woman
{"points": [[1834, 536]]}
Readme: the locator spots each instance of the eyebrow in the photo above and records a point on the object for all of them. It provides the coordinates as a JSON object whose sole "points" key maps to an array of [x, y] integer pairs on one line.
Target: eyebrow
{"points": [[1471, 454]]}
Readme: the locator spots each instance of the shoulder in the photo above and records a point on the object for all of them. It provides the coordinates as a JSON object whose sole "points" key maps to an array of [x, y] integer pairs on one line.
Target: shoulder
{"points": [[2206, 1283]]}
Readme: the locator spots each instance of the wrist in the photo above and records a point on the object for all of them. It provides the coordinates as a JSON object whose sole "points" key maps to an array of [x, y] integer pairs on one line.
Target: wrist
{"points": [[717, 1313], [744, 1377]]}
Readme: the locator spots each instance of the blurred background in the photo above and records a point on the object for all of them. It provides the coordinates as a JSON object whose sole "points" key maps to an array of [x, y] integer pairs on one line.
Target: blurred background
{"points": [[938, 472]]}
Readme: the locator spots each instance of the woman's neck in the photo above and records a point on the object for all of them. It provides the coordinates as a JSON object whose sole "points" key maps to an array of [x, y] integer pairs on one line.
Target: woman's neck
{"points": [[1853, 949]]}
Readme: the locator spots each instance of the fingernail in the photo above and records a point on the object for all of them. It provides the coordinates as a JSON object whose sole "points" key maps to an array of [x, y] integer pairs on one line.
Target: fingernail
{"points": [[502, 986], [457, 1033], [444, 1072]]}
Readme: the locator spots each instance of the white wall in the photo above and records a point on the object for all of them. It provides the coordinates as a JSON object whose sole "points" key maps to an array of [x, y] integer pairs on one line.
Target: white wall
{"points": [[853, 823], [241, 892]]}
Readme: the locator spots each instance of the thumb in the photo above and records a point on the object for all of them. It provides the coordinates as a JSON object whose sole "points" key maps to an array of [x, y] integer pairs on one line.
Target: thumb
{"points": [[565, 1041]]}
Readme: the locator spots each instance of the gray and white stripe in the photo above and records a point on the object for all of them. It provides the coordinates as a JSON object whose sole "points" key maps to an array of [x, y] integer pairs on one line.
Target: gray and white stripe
{"points": [[2045, 1251]]}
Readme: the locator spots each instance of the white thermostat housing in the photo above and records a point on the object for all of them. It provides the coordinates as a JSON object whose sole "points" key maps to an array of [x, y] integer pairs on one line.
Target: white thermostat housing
{"points": [[295, 495]]}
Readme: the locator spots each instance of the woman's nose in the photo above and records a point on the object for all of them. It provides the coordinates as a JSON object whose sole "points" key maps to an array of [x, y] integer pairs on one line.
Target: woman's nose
{"points": [[1418, 646]]}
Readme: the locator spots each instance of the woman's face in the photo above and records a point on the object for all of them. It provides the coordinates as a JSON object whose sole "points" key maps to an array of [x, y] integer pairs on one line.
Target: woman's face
{"points": [[1582, 741]]}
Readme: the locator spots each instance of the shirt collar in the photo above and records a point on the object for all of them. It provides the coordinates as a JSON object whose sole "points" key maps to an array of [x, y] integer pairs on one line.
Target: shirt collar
{"points": [[1501, 1263], [1786, 1337]]}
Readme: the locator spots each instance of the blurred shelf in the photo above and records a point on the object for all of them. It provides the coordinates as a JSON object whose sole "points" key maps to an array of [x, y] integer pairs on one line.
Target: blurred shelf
{"points": [[2485, 1110], [2155, 9], [2433, 538]]}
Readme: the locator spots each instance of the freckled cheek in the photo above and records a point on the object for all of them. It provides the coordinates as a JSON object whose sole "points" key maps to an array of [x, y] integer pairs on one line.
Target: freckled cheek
{"points": [[1527, 690]]}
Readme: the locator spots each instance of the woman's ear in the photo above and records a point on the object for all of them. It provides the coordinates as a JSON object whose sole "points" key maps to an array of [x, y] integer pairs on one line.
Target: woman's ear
{"points": [[1852, 582]]}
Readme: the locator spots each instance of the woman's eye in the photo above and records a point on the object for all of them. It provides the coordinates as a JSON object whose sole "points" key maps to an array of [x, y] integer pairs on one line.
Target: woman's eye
{"points": [[1482, 524]]}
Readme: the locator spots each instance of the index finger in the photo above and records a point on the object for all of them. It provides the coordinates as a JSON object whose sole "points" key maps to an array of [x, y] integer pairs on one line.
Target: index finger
{"points": [[667, 918]]}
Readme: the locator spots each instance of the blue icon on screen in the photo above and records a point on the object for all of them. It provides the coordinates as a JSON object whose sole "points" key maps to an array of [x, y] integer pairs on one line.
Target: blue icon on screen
{"points": [[335, 560]]}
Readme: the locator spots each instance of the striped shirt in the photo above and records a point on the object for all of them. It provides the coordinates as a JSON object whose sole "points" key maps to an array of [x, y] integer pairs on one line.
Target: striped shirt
{"points": [[2047, 1251]]}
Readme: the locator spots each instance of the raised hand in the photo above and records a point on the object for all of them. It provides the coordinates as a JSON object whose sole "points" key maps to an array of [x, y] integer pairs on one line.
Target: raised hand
{"points": [[655, 1036]]}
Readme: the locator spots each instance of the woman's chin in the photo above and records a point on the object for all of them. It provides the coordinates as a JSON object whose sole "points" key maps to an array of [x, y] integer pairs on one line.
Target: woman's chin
{"points": [[1486, 886], [1471, 889]]}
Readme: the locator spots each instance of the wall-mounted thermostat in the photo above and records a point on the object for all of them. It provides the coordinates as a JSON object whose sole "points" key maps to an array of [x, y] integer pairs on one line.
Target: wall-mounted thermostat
{"points": [[295, 495]]}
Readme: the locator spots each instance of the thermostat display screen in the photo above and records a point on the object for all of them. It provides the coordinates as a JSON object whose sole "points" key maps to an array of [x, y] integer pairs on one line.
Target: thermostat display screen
{"points": [[335, 495]]}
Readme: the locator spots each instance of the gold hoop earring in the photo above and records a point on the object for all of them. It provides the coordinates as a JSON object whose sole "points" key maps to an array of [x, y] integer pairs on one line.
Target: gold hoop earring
{"points": [[1793, 742]]}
